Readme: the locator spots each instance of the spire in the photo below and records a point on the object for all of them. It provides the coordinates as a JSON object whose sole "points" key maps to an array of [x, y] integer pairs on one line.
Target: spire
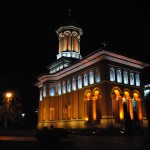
{"points": [[69, 38], [104, 44]]}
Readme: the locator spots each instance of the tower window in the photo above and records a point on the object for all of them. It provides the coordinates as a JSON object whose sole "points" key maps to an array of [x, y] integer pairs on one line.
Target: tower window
{"points": [[137, 79], [68, 86], [125, 77], [91, 77], [85, 80], [73, 84], [52, 91], [59, 89], [112, 74], [80, 82], [40, 94], [97, 75], [131, 79], [119, 77], [44, 91], [64, 88]]}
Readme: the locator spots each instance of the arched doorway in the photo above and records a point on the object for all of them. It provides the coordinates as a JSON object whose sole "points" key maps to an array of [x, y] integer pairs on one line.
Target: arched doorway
{"points": [[92, 104], [137, 108], [96, 105], [128, 110], [87, 110], [117, 104]]}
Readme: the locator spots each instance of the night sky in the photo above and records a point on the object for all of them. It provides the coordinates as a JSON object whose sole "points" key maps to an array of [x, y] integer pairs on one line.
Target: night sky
{"points": [[29, 42]]}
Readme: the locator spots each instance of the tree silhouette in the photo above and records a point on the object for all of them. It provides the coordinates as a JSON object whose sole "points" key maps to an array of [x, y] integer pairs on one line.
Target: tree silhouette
{"points": [[10, 111], [147, 102]]}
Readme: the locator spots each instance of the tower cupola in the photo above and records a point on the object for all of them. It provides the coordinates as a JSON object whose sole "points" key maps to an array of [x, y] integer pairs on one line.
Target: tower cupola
{"points": [[69, 42]]}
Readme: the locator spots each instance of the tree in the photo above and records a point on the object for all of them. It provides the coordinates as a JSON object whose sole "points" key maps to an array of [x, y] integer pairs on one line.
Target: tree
{"points": [[147, 102], [10, 110]]}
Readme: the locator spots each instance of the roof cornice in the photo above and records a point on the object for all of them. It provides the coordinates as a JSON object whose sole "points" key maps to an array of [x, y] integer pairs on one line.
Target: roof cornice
{"points": [[90, 60]]}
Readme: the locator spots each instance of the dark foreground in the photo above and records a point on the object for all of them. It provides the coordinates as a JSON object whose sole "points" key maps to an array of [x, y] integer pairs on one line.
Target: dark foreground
{"points": [[76, 142]]}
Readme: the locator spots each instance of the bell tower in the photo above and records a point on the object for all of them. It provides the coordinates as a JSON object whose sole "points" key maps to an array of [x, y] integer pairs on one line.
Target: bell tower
{"points": [[69, 42]]}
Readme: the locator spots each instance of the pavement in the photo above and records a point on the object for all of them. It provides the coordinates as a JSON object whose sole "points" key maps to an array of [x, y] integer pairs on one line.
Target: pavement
{"points": [[24, 140]]}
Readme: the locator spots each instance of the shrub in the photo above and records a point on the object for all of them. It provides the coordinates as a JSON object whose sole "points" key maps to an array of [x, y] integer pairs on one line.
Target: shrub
{"points": [[50, 136]]}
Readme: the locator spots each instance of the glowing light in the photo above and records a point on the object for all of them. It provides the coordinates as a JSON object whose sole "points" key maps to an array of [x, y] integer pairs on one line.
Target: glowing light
{"points": [[8, 95], [94, 109], [86, 118], [88, 95], [121, 116], [23, 115], [124, 99]]}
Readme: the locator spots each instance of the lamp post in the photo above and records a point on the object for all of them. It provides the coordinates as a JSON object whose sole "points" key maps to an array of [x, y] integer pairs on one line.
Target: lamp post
{"points": [[7, 102]]}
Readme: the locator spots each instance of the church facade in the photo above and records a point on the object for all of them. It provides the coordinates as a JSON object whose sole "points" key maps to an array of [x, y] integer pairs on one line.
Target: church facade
{"points": [[99, 90]]}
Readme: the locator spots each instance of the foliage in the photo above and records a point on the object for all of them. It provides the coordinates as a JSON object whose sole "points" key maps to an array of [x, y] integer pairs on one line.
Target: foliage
{"points": [[147, 102], [10, 110], [50, 136]]}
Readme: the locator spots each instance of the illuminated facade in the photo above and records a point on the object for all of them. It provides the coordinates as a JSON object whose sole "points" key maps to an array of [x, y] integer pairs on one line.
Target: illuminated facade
{"points": [[96, 91]]}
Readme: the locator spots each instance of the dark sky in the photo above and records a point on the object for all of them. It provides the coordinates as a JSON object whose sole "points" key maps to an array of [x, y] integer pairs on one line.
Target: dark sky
{"points": [[28, 41]]}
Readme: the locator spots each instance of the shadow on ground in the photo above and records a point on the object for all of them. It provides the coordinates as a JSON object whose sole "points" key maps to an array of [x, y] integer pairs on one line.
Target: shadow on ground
{"points": [[26, 145]]}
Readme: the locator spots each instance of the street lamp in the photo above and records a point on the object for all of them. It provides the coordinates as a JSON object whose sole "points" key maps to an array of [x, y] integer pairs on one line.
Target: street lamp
{"points": [[8, 98]]}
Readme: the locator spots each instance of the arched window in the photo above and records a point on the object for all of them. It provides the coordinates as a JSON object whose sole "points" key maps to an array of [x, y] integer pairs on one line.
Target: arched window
{"points": [[80, 82], [44, 91], [41, 95], [137, 79], [59, 89], [97, 75], [64, 88], [85, 80], [119, 77], [68, 86], [125, 77], [52, 90], [91, 77], [73, 84], [112, 74], [131, 79]]}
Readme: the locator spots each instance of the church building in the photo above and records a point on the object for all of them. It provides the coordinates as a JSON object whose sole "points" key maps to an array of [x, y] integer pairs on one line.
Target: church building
{"points": [[100, 90]]}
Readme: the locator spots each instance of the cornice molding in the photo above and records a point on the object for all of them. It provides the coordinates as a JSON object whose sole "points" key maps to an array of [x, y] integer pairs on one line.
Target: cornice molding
{"points": [[88, 61]]}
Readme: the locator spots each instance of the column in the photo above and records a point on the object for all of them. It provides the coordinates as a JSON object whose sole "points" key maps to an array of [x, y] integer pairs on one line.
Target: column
{"points": [[86, 117], [139, 109], [121, 111], [94, 108], [130, 108], [69, 42], [63, 42]]}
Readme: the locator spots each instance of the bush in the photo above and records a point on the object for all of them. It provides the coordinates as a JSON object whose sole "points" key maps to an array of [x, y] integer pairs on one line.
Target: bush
{"points": [[50, 136]]}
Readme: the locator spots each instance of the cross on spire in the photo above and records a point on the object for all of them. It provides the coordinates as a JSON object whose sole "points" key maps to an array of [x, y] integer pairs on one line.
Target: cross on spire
{"points": [[69, 11], [104, 44]]}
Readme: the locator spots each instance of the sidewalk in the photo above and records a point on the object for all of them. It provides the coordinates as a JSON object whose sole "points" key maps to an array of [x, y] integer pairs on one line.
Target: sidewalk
{"points": [[24, 133]]}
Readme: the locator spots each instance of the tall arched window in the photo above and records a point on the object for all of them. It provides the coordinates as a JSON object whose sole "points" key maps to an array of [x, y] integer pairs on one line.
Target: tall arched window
{"points": [[85, 80], [137, 79], [52, 90], [59, 89], [73, 84], [41, 95], [91, 77], [64, 88], [68, 86], [112, 74], [80, 82], [44, 91], [125, 77], [97, 75], [131, 79], [119, 76]]}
